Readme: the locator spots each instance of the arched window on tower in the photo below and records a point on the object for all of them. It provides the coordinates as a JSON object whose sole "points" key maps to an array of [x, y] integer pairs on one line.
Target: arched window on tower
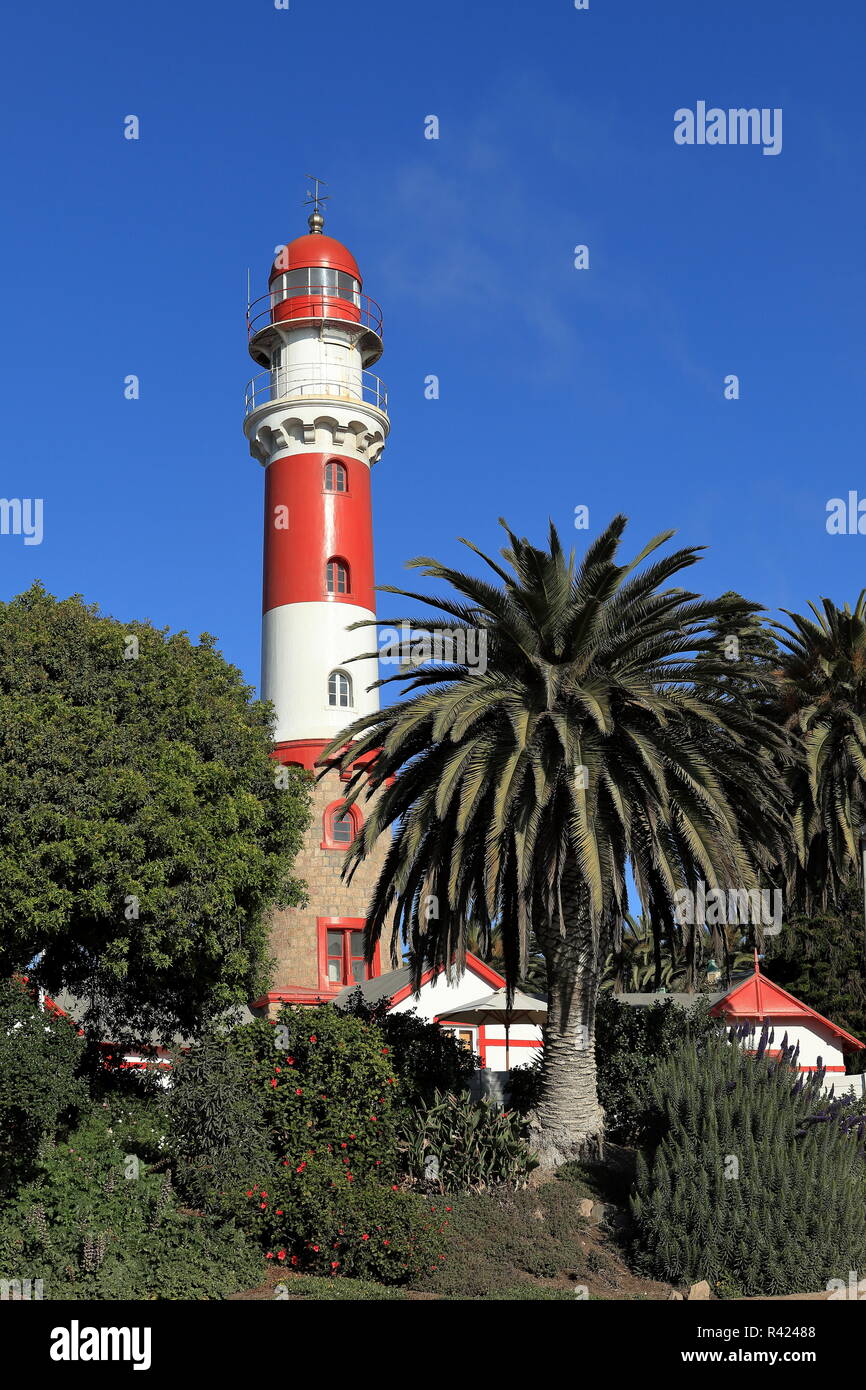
{"points": [[337, 574], [340, 690], [336, 477], [340, 825]]}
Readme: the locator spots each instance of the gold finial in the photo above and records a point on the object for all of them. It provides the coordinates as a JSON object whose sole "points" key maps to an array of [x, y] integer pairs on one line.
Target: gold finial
{"points": [[315, 221]]}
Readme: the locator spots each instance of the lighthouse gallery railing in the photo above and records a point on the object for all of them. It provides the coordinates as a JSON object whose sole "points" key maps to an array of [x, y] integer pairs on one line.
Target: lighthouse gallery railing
{"points": [[295, 383]]}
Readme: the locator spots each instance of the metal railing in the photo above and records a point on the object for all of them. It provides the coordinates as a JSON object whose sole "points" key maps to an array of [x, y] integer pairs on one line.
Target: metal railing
{"points": [[299, 382], [285, 306]]}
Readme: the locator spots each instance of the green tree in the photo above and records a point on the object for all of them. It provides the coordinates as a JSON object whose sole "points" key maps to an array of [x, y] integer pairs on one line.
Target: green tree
{"points": [[819, 958], [521, 785], [143, 833], [821, 701]]}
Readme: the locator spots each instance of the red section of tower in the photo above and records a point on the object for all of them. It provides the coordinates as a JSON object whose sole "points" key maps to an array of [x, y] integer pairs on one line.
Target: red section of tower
{"points": [[309, 525]]}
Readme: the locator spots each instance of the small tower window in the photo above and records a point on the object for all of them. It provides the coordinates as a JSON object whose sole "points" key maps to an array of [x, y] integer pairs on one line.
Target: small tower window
{"points": [[342, 829], [337, 577], [340, 825], [339, 690], [336, 477]]}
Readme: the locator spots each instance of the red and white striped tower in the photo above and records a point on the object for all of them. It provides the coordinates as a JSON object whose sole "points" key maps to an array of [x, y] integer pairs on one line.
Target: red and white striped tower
{"points": [[316, 419]]}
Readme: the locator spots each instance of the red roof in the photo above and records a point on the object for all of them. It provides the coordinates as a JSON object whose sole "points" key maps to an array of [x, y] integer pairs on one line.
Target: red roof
{"points": [[758, 999], [315, 249]]}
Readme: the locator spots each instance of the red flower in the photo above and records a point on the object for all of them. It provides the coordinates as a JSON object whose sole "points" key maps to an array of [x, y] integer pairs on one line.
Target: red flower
{"points": [[281, 1254], [270, 1255], [386, 1242], [294, 1259], [298, 1091], [335, 1264], [279, 1211], [312, 1037], [250, 1193], [300, 1168], [314, 1247], [274, 1082], [365, 1237], [277, 1068]]}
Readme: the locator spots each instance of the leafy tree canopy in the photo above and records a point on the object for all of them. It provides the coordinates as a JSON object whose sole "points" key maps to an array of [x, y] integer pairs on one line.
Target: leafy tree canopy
{"points": [[143, 833], [819, 958]]}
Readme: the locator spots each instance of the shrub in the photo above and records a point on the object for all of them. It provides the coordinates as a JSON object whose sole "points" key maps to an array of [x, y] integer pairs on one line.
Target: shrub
{"points": [[426, 1058], [323, 1221], [95, 1223], [457, 1144], [217, 1129], [757, 1184], [524, 1085], [41, 1087]]}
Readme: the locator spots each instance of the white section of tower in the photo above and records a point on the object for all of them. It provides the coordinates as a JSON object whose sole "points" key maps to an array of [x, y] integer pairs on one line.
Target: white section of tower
{"points": [[302, 643]]}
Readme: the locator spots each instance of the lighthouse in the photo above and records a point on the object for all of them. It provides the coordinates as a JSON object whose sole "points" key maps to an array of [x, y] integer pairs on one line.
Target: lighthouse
{"points": [[316, 420]]}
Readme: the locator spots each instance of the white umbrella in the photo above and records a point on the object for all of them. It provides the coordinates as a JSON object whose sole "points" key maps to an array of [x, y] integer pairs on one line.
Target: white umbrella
{"points": [[494, 1008]]}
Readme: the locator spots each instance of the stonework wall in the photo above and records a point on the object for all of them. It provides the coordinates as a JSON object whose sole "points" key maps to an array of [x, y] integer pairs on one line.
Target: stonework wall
{"points": [[294, 938]]}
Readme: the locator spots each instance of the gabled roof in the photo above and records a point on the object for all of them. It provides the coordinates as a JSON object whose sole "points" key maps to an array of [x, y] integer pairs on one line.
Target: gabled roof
{"points": [[758, 999], [396, 985]]}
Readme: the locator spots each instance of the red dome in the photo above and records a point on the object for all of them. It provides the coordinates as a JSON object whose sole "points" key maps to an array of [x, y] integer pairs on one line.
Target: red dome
{"points": [[315, 249]]}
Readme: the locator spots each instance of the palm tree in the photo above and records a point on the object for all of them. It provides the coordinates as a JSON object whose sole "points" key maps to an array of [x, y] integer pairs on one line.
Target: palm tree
{"points": [[821, 701], [519, 788]]}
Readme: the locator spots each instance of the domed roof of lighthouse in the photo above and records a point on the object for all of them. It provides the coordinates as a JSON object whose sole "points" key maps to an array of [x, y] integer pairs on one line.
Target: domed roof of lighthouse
{"points": [[315, 249]]}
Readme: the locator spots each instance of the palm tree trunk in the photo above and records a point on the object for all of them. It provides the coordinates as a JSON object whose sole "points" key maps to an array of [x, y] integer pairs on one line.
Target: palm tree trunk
{"points": [[569, 1121]]}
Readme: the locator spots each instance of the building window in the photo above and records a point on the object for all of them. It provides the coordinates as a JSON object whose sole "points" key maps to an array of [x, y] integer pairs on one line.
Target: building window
{"points": [[336, 477], [465, 1036], [346, 964], [341, 953], [340, 826], [316, 280], [339, 690], [337, 576]]}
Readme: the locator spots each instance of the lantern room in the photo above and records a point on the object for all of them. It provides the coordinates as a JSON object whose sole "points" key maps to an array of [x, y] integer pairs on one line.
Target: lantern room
{"points": [[314, 282]]}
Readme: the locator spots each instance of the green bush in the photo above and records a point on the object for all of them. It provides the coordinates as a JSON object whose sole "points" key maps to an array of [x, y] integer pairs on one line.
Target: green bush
{"points": [[269, 1095], [457, 1144], [631, 1043], [757, 1183], [292, 1126], [426, 1058], [96, 1223], [217, 1129], [41, 1086], [323, 1221]]}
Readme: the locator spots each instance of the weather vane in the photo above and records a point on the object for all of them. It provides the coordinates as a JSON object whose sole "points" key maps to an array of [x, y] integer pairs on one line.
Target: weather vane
{"points": [[316, 220]]}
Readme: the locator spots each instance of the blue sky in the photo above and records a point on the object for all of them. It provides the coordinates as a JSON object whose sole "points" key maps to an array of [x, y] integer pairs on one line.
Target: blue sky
{"points": [[559, 387]]}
